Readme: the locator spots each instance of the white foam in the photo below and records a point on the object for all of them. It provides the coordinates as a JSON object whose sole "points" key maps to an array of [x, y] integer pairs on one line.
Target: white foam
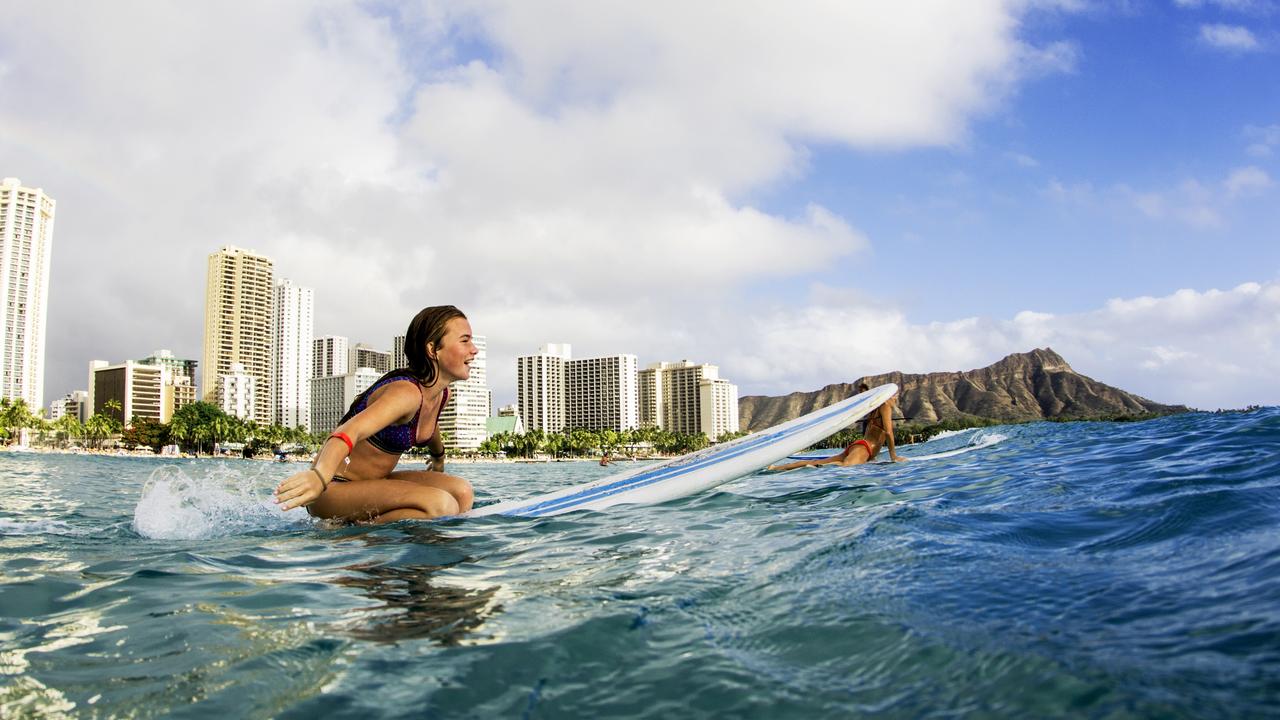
{"points": [[949, 433], [984, 439], [36, 527], [175, 506]]}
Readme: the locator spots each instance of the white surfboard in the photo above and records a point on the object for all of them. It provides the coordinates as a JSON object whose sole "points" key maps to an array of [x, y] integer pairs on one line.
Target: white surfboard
{"points": [[699, 470]]}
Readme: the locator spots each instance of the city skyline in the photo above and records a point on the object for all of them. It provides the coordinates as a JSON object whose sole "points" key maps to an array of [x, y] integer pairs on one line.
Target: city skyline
{"points": [[807, 193]]}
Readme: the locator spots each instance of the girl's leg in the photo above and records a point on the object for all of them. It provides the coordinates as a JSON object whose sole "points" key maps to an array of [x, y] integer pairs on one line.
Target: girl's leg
{"points": [[457, 487], [857, 455], [383, 501], [806, 463]]}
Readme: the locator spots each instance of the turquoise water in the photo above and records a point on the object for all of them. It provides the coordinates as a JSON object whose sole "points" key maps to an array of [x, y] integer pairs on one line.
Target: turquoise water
{"points": [[1089, 569]]}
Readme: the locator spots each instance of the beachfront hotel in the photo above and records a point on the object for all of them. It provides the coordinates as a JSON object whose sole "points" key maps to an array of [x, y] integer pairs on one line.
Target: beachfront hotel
{"points": [[238, 393], [540, 387], [237, 324], [329, 356], [465, 417], [26, 246], [74, 403], [600, 393], [556, 392], [141, 389], [293, 336], [689, 398], [333, 394], [366, 356]]}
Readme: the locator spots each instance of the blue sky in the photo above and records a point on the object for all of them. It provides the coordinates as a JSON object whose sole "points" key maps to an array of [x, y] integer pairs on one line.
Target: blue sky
{"points": [[801, 194]]}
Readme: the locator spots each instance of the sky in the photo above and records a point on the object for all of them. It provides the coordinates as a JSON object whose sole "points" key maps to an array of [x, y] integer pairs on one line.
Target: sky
{"points": [[801, 193]]}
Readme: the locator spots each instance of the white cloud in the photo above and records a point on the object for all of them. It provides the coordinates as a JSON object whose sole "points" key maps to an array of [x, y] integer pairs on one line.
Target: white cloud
{"points": [[1192, 203], [1232, 5], [1235, 38], [1205, 349], [472, 153], [1264, 139], [1247, 181], [1022, 160]]}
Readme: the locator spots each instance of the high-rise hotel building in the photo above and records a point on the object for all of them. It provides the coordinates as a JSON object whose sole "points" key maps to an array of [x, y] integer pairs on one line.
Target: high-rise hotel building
{"points": [[466, 415], [556, 392], [600, 393], [237, 324], [293, 336], [540, 387], [26, 246], [688, 398], [329, 356]]}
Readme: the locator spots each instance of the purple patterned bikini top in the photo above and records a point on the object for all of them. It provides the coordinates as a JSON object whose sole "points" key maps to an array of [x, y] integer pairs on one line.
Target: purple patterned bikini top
{"points": [[394, 439]]}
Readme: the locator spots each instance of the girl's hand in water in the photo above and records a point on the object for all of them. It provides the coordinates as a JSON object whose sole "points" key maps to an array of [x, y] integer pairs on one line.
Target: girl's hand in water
{"points": [[300, 489]]}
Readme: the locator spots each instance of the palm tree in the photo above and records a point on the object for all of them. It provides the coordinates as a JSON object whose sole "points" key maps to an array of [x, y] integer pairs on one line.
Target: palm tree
{"points": [[68, 426], [15, 415]]}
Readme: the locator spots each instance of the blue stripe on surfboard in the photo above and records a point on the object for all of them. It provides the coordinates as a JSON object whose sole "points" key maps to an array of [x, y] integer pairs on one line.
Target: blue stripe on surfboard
{"points": [[665, 473]]}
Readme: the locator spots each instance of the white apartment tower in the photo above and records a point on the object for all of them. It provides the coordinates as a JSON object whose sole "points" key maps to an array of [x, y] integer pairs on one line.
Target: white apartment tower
{"points": [[331, 395], [363, 355], [138, 387], [688, 398], [398, 357], [718, 407], [600, 393], [293, 334], [466, 415], [26, 246], [329, 356], [237, 323], [540, 387], [238, 393]]}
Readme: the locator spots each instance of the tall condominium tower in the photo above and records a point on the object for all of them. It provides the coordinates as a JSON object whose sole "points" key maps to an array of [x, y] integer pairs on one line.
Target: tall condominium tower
{"points": [[466, 415], [365, 356], [540, 387], [688, 398], [237, 324], [557, 392], [26, 245], [329, 356], [293, 334], [398, 358], [600, 393]]}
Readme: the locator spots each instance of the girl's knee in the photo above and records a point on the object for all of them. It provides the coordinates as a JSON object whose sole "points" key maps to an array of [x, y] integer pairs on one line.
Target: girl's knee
{"points": [[436, 502], [463, 493]]}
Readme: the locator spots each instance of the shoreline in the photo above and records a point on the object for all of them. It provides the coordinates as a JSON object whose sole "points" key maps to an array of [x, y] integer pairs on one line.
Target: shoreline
{"points": [[121, 453]]}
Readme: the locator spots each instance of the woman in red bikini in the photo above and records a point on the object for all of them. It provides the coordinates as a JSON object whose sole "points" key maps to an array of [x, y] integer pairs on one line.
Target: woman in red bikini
{"points": [[877, 429], [353, 477]]}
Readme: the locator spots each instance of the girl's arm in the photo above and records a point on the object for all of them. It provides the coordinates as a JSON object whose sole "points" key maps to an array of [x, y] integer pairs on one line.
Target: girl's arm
{"points": [[886, 415], [397, 402], [435, 445]]}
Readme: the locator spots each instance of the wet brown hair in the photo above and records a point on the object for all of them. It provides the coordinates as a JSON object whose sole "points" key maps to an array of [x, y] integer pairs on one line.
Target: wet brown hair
{"points": [[427, 327]]}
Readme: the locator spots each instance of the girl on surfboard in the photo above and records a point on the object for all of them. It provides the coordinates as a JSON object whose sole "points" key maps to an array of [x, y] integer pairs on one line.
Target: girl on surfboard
{"points": [[877, 429], [353, 478]]}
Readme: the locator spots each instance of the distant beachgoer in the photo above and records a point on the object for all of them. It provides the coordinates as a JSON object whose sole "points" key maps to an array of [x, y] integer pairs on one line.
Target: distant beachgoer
{"points": [[353, 478], [604, 460], [877, 429]]}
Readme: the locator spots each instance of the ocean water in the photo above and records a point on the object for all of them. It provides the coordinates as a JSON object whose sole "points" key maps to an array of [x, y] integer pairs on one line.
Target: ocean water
{"points": [[1102, 570]]}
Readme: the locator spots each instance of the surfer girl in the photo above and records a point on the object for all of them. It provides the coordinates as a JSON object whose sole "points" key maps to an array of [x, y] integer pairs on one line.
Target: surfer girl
{"points": [[353, 478], [877, 429]]}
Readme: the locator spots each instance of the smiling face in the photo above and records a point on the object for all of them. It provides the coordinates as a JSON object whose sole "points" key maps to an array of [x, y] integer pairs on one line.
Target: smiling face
{"points": [[455, 352]]}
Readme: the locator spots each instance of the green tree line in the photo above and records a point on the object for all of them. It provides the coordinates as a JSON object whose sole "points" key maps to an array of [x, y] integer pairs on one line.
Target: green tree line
{"points": [[580, 442], [194, 428]]}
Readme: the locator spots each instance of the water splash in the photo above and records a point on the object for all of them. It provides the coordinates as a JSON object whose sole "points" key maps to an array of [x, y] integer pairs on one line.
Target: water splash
{"points": [[175, 506], [949, 433]]}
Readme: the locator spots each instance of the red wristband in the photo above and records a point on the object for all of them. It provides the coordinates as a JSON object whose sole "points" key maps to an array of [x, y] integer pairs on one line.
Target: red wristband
{"points": [[343, 437]]}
